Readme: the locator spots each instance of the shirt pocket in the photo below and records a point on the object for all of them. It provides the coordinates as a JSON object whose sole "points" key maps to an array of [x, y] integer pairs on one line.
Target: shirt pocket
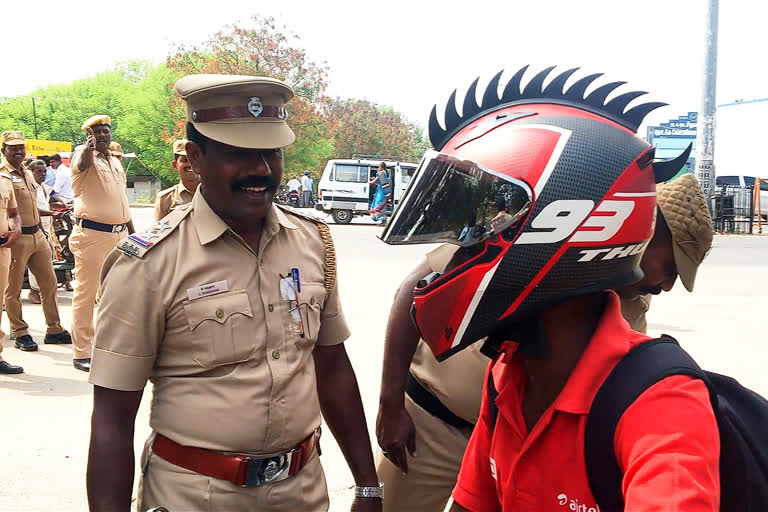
{"points": [[223, 328], [311, 301]]}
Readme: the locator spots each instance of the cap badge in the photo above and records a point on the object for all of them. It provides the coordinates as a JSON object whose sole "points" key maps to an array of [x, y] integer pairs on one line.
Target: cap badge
{"points": [[255, 106]]}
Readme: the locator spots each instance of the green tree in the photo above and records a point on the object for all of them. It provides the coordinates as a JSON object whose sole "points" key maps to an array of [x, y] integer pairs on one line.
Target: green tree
{"points": [[362, 127]]}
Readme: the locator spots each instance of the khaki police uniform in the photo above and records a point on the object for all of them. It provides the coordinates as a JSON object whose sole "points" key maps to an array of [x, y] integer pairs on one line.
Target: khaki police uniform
{"points": [[31, 249], [7, 200], [216, 337], [99, 197], [171, 198], [439, 446]]}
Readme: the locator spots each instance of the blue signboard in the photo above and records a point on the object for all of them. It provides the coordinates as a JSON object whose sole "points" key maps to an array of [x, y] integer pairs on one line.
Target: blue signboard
{"points": [[682, 127]]}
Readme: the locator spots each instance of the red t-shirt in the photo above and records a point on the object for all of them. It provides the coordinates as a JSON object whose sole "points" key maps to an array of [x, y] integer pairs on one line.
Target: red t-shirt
{"points": [[667, 443]]}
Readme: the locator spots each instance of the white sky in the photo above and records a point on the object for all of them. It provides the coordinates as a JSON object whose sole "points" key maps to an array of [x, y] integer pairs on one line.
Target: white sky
{"points": [[412, 54]]}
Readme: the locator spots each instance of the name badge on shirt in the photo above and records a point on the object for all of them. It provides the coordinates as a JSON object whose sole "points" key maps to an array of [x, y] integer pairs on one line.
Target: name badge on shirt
{"points": [[206, 290], [16, 179]]}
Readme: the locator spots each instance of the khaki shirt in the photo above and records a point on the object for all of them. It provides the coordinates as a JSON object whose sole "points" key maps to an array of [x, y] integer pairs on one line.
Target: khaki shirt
{"points": [[463, 395], [634, 310], [100, 190], [169, 199], [25, 191], [7, 197], [229, 373]]}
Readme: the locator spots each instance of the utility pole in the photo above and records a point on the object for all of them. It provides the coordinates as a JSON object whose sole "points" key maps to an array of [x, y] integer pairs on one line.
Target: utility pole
{"points": [[34, 115], [705, 136]]}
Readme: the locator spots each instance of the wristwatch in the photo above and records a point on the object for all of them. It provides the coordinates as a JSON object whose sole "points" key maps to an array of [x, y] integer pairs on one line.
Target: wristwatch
{"points": [[370, 492]]}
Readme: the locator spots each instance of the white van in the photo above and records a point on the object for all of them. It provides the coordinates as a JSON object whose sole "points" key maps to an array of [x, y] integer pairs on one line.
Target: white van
{"points": [[344, 191]]}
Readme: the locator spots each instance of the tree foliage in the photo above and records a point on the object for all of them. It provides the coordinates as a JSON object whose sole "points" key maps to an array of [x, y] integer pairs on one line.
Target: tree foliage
{"points": [[362, 127], [147, 115]]}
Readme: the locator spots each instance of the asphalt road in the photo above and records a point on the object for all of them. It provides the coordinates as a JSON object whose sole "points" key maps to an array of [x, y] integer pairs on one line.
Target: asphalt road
{"points": [[44, 423]]}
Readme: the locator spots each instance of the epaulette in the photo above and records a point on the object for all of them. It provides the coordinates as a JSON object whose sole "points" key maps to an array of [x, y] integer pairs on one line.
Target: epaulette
{"points": [[301, 213], [329, 269], [165, 191], [5, 175], [139, 245]]}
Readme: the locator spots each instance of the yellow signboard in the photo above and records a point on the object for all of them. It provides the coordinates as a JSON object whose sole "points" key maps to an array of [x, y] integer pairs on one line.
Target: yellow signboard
{"points": [[47, 147]]}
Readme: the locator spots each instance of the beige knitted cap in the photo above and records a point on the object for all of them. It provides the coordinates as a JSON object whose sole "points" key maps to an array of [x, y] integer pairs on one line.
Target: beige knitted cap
{"points": [[684, 207]]}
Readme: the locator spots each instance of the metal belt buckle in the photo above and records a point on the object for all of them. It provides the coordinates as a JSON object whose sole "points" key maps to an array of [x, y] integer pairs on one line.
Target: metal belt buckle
{"points": [[267, 470], [117, 228]]}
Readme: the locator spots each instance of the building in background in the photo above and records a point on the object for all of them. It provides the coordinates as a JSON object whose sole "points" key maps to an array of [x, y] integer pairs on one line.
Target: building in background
{"points": [[671, 138]]}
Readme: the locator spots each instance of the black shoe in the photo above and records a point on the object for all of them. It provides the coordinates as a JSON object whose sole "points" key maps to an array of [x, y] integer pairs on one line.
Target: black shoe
{"points": [[26, 343], [82, 364], [8, 369], [62, 338]]}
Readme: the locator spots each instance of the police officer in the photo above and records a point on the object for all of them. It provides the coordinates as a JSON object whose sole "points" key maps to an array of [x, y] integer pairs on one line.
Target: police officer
{"points": [[102, 218], [425, 409], [680, 243], [32, 249], [13, 151], [181, 193], [242, 337]]}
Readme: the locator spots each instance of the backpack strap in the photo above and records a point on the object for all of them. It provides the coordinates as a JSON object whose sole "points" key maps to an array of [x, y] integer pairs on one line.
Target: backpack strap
{"points": [[641, 368]]}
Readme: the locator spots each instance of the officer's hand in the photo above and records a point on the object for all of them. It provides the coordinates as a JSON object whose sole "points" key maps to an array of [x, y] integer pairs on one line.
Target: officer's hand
{"points": [[90, 142], [366, 505], [12, 236], [396, 433]]}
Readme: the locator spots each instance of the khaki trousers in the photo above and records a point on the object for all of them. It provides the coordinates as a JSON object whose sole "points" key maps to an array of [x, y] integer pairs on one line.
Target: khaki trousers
{"points": [[432, 473], [179, 490], [5, 263], [33, 251], [90, 248]]}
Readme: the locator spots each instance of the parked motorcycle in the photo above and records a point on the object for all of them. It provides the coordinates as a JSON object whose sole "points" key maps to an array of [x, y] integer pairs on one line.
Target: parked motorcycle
{"points": [[293, 199]]}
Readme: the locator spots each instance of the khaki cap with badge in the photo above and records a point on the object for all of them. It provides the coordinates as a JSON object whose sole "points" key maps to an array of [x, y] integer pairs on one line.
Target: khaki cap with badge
{"points": [[180, 147], [13, 138], [684, 207], [97, 119], [238, 110]]}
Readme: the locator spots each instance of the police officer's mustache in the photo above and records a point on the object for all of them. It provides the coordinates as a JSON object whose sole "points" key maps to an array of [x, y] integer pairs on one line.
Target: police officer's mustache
{"points": [[255, 181]]}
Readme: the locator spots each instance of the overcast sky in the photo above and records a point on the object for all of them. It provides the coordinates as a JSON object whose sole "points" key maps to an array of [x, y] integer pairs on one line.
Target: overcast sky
{"points": [[412, 54]]}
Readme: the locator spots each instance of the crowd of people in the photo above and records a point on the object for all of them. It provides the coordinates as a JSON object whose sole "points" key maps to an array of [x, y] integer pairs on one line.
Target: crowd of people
{"points": [[496, 345], [43, 189]]}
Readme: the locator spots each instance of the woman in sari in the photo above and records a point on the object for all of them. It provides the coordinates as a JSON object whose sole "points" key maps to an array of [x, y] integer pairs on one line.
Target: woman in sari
{"points": [[383, 196]]}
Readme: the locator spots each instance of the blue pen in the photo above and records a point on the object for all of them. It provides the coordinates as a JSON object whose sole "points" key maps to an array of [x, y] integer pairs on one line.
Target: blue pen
{"points": [[296, 278]]}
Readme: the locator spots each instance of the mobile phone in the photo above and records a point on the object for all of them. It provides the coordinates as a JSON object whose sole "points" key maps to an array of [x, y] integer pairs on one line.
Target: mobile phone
{"points": [[3, 240]]}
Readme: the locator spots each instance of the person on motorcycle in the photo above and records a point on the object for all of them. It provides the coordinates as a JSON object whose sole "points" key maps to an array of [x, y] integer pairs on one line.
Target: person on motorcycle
{"points": [[538, 279], [294, 191]]}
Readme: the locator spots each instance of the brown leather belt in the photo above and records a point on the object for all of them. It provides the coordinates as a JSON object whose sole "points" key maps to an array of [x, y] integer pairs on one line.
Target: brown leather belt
{"points": [[240, 469], [29, 230]]}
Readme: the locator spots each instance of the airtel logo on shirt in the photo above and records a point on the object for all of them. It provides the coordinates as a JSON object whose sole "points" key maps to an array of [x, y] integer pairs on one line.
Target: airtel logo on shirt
{"points": [[575, 505]]}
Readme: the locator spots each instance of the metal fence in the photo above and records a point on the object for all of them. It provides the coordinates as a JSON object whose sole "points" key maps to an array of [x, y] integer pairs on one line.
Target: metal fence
{"points": [[733, 209]]}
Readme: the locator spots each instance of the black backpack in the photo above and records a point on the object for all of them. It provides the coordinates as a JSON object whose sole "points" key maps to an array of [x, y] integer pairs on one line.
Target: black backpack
{"points": [[742, 418]]}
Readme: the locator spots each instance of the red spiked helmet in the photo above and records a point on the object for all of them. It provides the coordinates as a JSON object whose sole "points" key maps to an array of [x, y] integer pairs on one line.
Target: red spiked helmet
{"points": [[549, 194]]}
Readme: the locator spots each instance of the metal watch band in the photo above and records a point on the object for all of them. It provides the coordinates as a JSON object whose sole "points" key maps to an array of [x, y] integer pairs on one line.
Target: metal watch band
{"points": [[370, 492]]}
